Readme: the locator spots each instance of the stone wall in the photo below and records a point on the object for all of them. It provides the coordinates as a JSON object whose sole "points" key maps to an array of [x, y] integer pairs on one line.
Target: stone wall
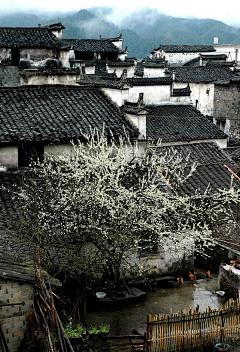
{"points": [[38, 78], [9, 76], [227, 106], [13, 317]]}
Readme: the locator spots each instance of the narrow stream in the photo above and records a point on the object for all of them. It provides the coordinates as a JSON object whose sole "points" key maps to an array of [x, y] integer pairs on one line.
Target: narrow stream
{"points": [[123, 321]]}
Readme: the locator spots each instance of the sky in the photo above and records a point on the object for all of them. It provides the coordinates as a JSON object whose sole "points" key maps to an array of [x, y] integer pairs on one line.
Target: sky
{"points": [[184, 8]]}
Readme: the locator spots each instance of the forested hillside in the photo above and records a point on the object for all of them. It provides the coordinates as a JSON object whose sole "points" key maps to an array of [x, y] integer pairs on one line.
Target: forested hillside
{"points": [[142, 30]]}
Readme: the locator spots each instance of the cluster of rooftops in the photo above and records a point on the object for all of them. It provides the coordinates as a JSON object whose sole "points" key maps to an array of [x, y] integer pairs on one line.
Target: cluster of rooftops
{"points": [[149, 99]]}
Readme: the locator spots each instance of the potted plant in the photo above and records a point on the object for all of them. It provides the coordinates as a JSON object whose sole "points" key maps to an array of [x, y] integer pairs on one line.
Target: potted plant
{"points": [[104, 330], [222, 346], [93, 333], [74, 331]]}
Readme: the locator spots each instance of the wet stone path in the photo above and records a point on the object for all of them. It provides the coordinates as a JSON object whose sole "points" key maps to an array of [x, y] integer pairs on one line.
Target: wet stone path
{"points": [[123, 321]]}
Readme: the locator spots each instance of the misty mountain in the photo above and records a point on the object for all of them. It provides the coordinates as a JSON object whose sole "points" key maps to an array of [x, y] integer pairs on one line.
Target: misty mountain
{"points": [[142, 30]]}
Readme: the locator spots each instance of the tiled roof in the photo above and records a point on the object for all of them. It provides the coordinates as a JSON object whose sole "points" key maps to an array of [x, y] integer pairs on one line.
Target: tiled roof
{"points": [[57, 113], [16, 260], [135, 81], [201, 73], [154, 63], [194, 62], [229, 235], [233, 152], [225, 63], [216, 176], [213, 165], [199, 153], [179, 123], [213, 56], [181, 91], [186, 48], [91, 45], [8, 208], [39, 37], [120, 63], [104, 81]]}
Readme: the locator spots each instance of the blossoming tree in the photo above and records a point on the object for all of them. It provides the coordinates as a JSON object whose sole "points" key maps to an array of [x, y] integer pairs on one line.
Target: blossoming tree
{"points": [[94, 211]]}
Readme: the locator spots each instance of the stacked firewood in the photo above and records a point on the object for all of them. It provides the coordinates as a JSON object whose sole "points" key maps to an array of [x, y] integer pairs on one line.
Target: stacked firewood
{"points": [[230, 291]]}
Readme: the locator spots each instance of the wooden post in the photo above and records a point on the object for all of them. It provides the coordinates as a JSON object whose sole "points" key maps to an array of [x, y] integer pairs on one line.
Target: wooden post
{"points": [[148, 333]]}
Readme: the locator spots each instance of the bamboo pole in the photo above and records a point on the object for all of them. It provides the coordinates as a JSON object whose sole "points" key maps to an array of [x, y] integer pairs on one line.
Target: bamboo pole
{"points": [[148, 333]]}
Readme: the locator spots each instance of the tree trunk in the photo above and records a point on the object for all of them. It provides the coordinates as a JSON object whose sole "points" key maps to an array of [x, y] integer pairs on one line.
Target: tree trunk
{"points": [[117, 279], [116, 276]]}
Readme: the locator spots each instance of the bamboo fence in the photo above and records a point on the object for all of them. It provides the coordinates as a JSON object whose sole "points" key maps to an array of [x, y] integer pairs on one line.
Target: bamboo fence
{"points": [[188, 329]]}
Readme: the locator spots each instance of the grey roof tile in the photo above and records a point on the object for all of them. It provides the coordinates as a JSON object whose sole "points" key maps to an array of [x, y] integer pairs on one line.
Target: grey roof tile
{"points": [[91, 45], [199, 153], [214, 168], [215, 176], [149, 81], [186, 48], [179, 123], [56, 112], [201, 73], [39, 37]]}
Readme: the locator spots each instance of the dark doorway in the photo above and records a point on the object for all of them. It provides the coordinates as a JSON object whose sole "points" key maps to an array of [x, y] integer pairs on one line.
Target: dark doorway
{"points": [[15, 56]]}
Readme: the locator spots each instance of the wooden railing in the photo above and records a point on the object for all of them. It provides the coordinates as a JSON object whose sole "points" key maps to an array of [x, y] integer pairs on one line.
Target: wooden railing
{"points": [[192, 328]]}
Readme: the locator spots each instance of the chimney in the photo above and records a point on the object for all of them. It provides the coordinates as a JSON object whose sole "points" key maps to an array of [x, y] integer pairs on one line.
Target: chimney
{"points": [[215, 41], [236, 55]]}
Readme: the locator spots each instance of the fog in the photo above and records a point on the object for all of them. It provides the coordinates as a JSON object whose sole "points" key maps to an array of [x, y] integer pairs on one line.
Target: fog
{"points": [[112, 11]]}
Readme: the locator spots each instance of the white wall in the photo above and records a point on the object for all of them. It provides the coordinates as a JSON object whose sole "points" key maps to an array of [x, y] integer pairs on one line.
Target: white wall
{"points": [[65, 55], [199, 93], [52, 149], [185, 100], [154, 72], [153, 94], [140, 122], [37, 55], [118, 96], [232, 51], [4, 53], [49, 79], [118, 43], [9, 156], [119, 70], [90, 70]]}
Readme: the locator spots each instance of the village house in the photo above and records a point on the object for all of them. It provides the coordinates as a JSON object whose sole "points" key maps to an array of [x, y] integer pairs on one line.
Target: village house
{"points": [[44, 119], [35, 56], [230, 50], [39, 55], [201, 80], [179, 54], [53, 91], [96, 56], [30, 46], [227, 107]]}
